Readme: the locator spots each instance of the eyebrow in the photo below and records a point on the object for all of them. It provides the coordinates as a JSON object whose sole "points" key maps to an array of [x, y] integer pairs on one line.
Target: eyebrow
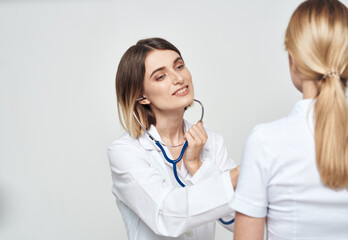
{"points": [[158, 69], [161, 68], [177, 59]]}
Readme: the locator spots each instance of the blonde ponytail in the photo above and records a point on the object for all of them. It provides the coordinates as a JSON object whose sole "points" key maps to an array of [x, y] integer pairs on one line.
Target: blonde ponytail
{"points": [[317, 37], [331, 132]]}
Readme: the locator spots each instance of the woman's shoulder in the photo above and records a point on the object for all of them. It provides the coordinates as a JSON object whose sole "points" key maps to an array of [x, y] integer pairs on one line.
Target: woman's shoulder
{"points": [[214, 135], [126, 152], [215, 139], [279, 131], [272, 125], [126, 141]]}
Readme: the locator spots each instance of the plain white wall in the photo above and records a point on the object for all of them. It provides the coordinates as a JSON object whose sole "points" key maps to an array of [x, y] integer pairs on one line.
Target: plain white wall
{"points": [[58, 61]]}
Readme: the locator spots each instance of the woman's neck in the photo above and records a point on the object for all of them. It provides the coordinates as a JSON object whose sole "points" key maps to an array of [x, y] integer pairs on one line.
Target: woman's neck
{"points": [[309, 89], [170, 127]]}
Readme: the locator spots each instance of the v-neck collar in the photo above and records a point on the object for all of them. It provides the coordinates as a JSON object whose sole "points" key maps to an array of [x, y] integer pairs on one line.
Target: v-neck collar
{"points": [[149, 144]]}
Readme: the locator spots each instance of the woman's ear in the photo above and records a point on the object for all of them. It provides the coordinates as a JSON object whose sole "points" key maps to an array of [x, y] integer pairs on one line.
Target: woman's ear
{"points": [[291, 61], [144, 101], [295, 77]]}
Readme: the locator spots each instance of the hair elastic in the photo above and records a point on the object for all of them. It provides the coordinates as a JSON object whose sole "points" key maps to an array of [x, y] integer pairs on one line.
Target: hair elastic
{"points": [[331, 74]]}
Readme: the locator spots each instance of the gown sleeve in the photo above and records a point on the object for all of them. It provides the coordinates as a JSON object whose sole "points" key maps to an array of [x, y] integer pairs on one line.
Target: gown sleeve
{"points": [[216, 164]]}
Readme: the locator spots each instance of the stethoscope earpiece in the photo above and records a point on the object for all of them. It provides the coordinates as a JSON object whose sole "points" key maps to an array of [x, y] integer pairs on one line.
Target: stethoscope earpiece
{"points": [[140, 99]]}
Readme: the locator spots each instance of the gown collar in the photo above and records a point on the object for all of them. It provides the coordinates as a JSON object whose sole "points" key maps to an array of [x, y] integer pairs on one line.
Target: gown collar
{"points": [[149, 144]]}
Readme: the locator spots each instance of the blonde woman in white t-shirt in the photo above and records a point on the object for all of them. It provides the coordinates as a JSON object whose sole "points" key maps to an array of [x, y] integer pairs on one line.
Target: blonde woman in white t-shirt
{"points": [[294, 171]]}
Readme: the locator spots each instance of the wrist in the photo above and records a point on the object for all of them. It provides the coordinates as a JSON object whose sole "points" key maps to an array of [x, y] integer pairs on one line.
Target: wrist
{"points": [[193, 166]]}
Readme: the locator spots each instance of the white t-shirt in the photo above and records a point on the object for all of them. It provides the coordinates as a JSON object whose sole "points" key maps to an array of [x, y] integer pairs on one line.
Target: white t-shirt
{"points": [[279, 179], [154, 206]]}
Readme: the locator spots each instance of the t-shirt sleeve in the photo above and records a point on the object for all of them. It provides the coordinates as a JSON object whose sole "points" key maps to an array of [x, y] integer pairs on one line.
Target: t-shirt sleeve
{"points": [[250, 197]]}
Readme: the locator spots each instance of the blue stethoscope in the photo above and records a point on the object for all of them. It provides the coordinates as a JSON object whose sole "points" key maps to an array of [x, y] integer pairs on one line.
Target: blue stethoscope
{"points": [[174, 162]]}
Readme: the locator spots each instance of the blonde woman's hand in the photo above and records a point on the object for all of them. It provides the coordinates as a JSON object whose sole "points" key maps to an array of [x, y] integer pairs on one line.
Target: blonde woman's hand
{"points": [[234, 174], [196, 137]]}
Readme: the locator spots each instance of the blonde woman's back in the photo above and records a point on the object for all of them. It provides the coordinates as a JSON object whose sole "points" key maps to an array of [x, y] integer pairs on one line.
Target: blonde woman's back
{"points": [[297, 167], [281, 156]]}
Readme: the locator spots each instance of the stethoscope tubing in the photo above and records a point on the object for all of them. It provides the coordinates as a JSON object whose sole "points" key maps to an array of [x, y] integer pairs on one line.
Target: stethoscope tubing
{"points": [[174, 162]]}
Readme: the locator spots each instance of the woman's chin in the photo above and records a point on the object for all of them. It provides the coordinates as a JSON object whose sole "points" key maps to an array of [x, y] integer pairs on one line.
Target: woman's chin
{"points": [[189, 101]]}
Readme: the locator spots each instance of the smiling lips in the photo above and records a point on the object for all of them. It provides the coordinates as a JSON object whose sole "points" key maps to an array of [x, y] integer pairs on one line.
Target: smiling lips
{"points": [[181, 91]]}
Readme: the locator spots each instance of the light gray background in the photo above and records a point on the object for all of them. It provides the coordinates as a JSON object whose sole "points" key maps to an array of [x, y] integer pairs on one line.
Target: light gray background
{"points": [[58, 61]]}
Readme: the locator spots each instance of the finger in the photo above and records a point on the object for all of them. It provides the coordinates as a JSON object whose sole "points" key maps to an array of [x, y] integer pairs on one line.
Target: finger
{"points": [[199, 133], [196, 136], [201, 127], [189, 139]]}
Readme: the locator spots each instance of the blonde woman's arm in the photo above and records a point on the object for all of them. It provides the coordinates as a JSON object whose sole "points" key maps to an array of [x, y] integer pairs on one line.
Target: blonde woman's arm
{"points": [[248, 228]]}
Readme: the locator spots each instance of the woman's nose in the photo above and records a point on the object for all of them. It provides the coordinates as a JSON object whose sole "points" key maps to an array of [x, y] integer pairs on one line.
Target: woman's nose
{"points": [[177, 78]]}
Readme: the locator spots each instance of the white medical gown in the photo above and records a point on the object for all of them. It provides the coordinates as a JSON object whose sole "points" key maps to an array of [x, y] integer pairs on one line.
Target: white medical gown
{"points": [[154, 206]]}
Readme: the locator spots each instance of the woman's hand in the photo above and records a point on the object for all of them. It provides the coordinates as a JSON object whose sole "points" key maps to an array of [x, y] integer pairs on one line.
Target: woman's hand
{"points": [[234, 173], [196, 137]]}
